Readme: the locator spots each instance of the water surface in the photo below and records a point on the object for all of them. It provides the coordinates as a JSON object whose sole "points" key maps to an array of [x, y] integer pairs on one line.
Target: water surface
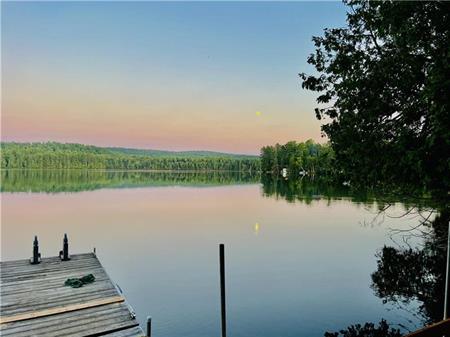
{"points": [[296, 266]]}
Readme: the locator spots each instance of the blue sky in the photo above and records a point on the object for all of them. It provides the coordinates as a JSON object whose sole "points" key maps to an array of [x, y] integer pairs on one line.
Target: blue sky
{"points": [[170, 75]]}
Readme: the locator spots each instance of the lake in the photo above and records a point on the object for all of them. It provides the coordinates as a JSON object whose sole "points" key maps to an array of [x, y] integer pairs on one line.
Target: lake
{"points": [[299, 259]]}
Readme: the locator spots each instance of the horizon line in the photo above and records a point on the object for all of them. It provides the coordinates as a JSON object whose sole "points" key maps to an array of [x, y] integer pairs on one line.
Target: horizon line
{"points": [[128, 147]]}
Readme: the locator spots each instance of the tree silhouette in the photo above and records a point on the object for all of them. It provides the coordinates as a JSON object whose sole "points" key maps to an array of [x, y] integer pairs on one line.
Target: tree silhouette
{"points": [[404, 275]]}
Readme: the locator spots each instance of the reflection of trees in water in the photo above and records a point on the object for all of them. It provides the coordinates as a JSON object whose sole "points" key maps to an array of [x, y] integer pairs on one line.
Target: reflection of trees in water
{"points": [[53, 181], [304, 190], [367, 330], [404, 275], [307, 190], [410, 279], [291, 190]]}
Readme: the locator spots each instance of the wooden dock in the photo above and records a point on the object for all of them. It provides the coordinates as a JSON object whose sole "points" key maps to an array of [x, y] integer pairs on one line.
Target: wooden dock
{"points": [[35, 301], [439, 329]]}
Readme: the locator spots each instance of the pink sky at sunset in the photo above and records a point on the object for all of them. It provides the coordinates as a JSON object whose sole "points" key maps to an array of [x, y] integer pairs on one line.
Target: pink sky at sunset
{"points": [[189, 84]]}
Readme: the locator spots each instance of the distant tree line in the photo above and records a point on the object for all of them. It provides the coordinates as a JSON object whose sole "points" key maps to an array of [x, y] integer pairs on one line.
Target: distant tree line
{"points": [[304, 158], [76, 156]]}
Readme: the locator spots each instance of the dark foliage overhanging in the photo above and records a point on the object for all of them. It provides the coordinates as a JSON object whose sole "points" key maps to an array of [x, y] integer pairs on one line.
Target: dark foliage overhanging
{"points": [[384, 92]]}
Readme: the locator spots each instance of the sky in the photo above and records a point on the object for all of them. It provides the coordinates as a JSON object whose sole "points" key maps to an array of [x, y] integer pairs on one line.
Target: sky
{"points": [[220, 76]]}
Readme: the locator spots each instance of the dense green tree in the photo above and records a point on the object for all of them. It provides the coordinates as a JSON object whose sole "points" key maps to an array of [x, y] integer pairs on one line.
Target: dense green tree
{"points": [[312, 158], [77, 156], [267, 158], [384, 82]]}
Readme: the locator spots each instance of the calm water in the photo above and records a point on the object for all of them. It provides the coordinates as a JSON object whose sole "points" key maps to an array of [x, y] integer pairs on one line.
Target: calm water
{"points": [[298, 264]]}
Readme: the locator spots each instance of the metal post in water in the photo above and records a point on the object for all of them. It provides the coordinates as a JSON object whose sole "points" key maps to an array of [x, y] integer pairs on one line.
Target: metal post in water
{"points": [[447, 276], [149, 326], [222, 288], [64, 254], [36, 255]]}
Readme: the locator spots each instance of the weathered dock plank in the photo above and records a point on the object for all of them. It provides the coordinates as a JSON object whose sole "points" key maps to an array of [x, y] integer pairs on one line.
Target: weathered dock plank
{"points": [[59, 310], [35, 301], [439, 329], [132, 332]]}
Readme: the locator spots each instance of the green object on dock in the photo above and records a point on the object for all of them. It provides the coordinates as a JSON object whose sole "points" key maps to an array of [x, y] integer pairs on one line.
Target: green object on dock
{"points": [[79, 282], [27, 309]]}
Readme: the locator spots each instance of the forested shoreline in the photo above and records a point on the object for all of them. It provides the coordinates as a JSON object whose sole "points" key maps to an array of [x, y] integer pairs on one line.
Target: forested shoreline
{"points": [[298, 159], [53, 155]]}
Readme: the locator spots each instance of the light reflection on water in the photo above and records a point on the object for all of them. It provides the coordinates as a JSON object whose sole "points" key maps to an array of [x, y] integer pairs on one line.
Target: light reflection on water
{"points": [[293, 269]]}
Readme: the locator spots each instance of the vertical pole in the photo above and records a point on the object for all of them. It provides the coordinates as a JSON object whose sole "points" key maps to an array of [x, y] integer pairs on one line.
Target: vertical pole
{"points": [[222, 288], [36, 256], [65, 247], [149, 326], [64, 254], [447, 281]]}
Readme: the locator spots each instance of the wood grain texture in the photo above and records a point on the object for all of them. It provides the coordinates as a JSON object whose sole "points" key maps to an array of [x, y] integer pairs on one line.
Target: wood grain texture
{"points": [[35, 301], [59, 310]]}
